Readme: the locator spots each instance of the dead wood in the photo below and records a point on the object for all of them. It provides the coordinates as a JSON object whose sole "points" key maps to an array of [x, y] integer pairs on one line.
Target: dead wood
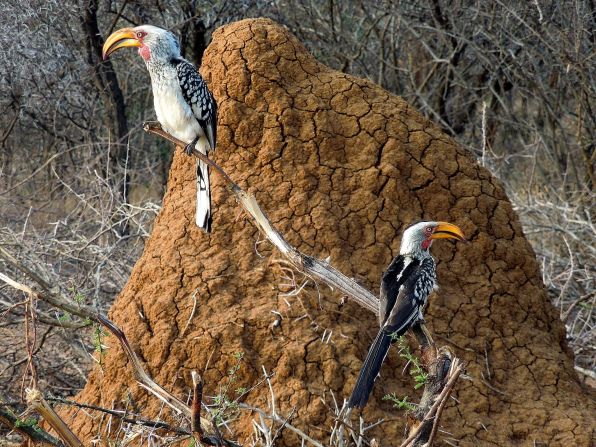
{"points": [[38, 404]]}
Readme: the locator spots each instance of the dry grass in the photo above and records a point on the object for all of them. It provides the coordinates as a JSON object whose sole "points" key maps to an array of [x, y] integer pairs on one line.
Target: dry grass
{"points": [[562, 232]]}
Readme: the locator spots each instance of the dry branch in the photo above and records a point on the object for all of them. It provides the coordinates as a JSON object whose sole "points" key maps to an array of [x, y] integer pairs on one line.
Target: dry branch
{"points": [[315, 268], [124, 416], [197, 400], [443, 368], [443, 371], [38, 404]]}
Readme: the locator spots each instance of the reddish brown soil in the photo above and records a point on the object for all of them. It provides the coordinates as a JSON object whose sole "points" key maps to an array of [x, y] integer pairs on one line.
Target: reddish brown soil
{"points": [[341, 167]]}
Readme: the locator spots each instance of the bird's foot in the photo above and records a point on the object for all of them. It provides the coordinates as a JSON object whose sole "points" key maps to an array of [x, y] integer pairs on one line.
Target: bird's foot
{"points": [[189, 148], [151, 125]]}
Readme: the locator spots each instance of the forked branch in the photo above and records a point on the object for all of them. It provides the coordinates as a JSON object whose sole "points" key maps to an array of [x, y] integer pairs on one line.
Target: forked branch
{"points": [[443, 368]]}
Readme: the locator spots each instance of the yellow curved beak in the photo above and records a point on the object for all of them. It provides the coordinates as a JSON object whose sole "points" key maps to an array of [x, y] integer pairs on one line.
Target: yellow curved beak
{"points": [[124, 37], [445, 230]]}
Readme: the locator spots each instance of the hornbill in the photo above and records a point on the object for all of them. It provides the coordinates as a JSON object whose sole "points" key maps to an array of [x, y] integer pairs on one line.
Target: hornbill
{"points": [[405, 287], [184, 106]]}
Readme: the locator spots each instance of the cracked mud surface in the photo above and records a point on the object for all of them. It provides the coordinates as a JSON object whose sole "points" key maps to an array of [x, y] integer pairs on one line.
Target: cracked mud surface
{"points": [[341, 167]]}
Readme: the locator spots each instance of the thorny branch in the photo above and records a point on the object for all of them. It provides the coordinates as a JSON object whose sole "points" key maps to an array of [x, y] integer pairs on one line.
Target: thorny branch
{"points": [[125, 416], [273, 415]]}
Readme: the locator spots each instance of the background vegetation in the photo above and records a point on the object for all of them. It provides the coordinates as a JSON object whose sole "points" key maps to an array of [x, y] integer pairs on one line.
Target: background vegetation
{"points": [[80, 182]]}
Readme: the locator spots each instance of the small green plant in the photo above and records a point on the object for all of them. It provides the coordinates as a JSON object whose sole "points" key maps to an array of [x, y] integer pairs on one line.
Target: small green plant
{"points": [[78, 297], [225, 405], [98, 338], [240, 390], [401, 404], [65, 318], [420, 376], [29, 422]]}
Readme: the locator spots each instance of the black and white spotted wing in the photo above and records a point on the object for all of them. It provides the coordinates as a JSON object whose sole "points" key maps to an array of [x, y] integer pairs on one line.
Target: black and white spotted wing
{"points": [[199, 98], [397, 272], [405, 288]]}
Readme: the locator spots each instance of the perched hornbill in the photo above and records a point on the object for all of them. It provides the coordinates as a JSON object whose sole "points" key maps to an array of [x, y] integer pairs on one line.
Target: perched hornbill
{"points": [[184, 106], [405, 288]]}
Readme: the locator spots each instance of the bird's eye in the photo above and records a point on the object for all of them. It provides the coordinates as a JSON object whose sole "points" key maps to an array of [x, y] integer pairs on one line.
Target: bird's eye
{"points": [[429, 230], [139, 34]]}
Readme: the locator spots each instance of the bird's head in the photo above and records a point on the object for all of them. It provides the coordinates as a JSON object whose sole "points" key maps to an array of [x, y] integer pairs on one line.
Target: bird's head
{"points": [[154, 43], [419, 237]]}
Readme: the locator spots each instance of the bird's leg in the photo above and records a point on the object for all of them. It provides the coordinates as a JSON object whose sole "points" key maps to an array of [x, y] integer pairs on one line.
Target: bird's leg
{"points": [[190, 146]]}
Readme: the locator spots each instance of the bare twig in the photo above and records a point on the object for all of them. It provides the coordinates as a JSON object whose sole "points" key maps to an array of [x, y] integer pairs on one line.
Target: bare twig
{"points": [[192, 313], [197, 400], [454, 373], [142, 377], [280, 420], [123, 415], [586, 372], [34, 173]]}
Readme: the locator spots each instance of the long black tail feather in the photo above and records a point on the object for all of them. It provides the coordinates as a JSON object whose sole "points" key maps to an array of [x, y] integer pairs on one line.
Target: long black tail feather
{"points": [[370, 370], [203, 203]]}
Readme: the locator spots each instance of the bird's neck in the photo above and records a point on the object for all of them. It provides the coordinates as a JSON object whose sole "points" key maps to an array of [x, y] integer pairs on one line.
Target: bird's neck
{"points": [[157, 64], [417, 248], [159, 61], [418, 254], [161, 70]]}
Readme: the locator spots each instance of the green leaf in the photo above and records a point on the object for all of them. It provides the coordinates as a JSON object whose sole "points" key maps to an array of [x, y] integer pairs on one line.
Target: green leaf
{"points": [[29, 422], [240, 390], [401, 404]]}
